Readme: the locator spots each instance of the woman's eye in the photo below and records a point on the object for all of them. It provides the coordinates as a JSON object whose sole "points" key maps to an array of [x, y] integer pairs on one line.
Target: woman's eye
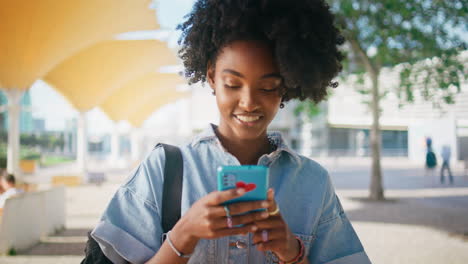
{"points": [[270, 86], [269, 89], [231, 86]]}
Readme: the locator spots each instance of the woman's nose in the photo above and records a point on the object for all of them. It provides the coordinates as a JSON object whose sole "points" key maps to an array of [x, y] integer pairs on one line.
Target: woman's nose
{"points": [[248, 102]]}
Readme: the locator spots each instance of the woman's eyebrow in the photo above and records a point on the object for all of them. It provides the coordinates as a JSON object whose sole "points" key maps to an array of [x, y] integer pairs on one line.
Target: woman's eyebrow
{"points": [[238, 74], [233, 72]]}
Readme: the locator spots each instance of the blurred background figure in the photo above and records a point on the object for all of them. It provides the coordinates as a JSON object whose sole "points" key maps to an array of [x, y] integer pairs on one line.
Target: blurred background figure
{"points": [[8, 184], [446, 151], [428, 142], [431, 161]]}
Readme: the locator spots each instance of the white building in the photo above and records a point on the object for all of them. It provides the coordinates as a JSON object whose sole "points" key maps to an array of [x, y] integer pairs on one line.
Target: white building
{"points": [[404, 129]]}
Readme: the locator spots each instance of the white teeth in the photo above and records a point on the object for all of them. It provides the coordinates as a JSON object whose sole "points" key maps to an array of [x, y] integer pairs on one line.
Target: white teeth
{"points": [[248, 118]]}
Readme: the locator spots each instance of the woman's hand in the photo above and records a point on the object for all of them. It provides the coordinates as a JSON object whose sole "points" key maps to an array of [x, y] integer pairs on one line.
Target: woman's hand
{"points": [[207, 217], [280, 240]]}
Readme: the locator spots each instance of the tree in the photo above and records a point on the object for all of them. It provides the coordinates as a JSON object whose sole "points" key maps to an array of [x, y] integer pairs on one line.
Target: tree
{"points": [[387, 33]]}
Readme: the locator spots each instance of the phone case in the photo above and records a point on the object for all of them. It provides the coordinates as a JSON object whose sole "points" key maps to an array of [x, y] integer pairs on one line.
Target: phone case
{"points": [[253, 178]]}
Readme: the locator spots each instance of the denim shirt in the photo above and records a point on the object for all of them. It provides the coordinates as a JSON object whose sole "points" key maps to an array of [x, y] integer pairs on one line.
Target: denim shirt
{"points": [[130, 228]]}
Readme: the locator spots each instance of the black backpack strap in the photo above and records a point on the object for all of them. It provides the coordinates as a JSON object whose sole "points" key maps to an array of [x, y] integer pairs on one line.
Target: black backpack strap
{"points": [[172, 189], [171, 203]]}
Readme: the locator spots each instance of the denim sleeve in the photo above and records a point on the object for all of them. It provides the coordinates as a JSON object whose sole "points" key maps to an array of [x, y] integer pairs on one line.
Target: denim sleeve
{"points": [[130, 228], [336, 241]]}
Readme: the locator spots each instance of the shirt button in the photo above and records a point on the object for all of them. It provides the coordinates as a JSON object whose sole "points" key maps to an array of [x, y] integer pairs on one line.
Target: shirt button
{"points": [[241, 244]]}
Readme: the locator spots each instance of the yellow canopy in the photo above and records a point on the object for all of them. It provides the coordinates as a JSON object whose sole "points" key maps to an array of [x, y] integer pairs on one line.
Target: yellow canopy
{"points": [[145, 110], [35, 35], [127, 99], [89, 77]]}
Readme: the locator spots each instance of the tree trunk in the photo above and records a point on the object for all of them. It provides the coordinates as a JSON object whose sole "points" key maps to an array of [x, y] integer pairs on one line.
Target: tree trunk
{"points": [[376, 189]]}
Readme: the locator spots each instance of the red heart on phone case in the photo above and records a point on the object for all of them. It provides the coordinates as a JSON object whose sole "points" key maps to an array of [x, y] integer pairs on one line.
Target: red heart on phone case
{"points": [[247, 187]]}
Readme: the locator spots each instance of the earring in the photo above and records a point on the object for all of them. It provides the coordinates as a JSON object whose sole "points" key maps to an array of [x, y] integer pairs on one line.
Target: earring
{"points": [[281, 105], [213, 92]]}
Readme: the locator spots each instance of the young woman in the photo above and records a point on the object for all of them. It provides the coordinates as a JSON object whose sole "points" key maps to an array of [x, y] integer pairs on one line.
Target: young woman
{"points": [[255, 55]]}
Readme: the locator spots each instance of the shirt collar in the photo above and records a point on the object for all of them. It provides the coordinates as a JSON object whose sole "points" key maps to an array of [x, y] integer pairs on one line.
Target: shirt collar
{"points": [[209, 135]]}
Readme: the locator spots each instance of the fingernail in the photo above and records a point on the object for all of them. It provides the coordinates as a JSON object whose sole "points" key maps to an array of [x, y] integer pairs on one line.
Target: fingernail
{"points": [[265, 204], [264, 214], [240, 191], [254, 228]]}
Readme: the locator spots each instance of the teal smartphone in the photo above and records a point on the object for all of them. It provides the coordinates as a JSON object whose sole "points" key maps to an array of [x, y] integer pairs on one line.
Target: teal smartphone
{"points": [[253, 178]]}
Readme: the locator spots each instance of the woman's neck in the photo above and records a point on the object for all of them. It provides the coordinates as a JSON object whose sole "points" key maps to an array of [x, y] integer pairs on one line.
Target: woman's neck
{"points": [[246, 151]]}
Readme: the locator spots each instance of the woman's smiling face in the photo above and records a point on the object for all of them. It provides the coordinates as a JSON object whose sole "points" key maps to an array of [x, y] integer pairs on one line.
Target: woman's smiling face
{"points": [[247, 83]]}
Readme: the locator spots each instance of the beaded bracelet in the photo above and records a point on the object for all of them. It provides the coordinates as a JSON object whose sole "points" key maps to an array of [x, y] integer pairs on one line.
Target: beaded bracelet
{"points": [[299, 258]]}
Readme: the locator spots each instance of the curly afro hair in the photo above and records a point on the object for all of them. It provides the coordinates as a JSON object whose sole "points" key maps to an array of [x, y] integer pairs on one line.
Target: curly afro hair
{"points": [[301, 34]]}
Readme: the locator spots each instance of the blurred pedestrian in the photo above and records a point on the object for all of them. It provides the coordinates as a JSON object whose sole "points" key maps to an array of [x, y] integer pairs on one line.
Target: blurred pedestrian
{"points": [[431, 164], [431, 160], [446, 152], [8, 184], [428, 142]]}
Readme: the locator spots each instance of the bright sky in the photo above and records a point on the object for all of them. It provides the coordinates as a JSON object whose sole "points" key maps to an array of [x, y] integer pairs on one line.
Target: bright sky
{"points": [[55, 109]]}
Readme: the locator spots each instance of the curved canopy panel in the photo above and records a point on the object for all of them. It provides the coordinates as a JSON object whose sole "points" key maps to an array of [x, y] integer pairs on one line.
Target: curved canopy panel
{"points": [[126, 100], [144, 111], [89, 77], [36, 35]]}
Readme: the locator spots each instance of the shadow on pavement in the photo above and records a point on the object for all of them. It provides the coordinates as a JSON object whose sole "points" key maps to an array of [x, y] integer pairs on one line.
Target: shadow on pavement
{"points": [[69, 242], [446, 213]]}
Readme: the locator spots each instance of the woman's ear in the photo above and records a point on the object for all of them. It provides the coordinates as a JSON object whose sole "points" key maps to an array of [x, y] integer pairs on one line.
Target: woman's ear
{"points": [[210, 75]]}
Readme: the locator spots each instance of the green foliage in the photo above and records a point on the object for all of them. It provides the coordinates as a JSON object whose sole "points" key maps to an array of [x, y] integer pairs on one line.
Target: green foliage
{"points": [[422, 34], [26, 153], [309, 108], [3, 162], [3, 155], [54, 160], [31, 156], [48, 141], [29, 144]]}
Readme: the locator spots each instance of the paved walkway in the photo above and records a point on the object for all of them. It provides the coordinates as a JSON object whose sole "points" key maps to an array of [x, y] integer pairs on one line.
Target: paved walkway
{"points": [[421, 221]]}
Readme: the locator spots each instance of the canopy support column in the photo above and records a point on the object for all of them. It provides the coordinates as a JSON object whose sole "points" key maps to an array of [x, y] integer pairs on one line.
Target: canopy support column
{"points": [[14, 110], [135, 145], [115, 145], [82, 143]]}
